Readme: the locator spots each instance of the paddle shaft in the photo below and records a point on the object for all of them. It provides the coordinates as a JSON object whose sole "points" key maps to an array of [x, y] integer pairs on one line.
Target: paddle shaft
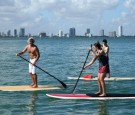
{"points": [[81, 70], [64, 85]]}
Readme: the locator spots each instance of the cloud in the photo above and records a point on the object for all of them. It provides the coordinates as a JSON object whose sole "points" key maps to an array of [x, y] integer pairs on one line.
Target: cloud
{"points": [[52, 15], [127, 17], [6, 3], [78, 9]]}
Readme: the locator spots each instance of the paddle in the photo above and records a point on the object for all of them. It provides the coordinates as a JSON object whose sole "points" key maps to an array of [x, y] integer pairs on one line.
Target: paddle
{"points": [[63, 84], [82, 70]]}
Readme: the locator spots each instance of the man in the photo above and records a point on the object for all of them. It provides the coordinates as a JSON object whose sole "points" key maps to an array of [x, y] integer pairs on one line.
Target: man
{"points": [[34, 54], [106, 50]]}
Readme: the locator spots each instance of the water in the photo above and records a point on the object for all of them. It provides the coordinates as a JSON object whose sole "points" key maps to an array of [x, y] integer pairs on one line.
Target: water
{"points": [[64, 58]]}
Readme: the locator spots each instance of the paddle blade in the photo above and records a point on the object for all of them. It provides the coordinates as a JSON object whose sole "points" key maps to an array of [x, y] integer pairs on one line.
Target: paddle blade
{"points": [[63, 84]]}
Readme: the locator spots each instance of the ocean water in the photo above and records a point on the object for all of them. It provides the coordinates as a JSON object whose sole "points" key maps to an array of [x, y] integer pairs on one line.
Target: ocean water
{"points": [[63, 58]]}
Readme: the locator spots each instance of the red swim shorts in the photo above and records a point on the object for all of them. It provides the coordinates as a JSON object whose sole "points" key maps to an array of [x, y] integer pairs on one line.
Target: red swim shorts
{"points": [[104, 69]]}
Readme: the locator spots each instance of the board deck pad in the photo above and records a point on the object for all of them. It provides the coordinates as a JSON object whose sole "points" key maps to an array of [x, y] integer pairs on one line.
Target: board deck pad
{"points": [[92, 96], [106, 79], [28, 88]]}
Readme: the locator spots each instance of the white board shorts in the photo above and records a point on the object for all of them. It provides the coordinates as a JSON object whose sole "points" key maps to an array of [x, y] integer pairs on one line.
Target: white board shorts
{"points": [[32, 68]]}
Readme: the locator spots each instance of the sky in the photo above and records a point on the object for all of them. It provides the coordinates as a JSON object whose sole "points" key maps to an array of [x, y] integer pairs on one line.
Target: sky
{"points": [[50, 16]]}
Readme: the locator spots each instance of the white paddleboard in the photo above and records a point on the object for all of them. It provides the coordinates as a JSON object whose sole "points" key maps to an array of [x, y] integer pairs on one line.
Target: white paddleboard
{"points": [[107, 79], [28, 88]]}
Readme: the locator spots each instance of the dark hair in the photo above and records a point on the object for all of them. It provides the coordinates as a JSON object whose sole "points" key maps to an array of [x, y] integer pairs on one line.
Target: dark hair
{"points": [[104, 40], [97, 44]]}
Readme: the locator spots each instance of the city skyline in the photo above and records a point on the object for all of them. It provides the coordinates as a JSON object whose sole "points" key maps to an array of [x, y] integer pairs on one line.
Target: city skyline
{"points": [[54, 15], [71, 33]]}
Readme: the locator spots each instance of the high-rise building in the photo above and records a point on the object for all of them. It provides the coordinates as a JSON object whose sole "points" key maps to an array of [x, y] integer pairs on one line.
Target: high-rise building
{"points": [[60, 33], [72, 32], [102, 32], [42, 34], [88, 31], [8, 33], [120, 31], [2, 34], [112, 34], [22, 32], [15, 33]]}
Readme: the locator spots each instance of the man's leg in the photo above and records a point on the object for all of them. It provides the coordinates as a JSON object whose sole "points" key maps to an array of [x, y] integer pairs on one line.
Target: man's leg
{"points": [[35, 80], [32, 78]]}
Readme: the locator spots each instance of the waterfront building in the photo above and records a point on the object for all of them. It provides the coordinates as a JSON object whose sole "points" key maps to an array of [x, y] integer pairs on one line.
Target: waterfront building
{"points": [[72, 32], [29, 35], [51, 34], [112, 34], [22, 32], [102, 33], [3, 34], [120, 31], [66, 35], [60, 33], [15, 33], [8, 33], [42, 34], [88, 31]]}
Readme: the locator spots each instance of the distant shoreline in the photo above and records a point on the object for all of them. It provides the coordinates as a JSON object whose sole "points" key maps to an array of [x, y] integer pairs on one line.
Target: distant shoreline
{"points": [[68, 37]]}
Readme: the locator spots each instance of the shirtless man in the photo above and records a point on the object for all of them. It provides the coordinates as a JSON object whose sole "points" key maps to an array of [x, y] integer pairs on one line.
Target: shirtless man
{"points": [[106, 50], [34, 54]]}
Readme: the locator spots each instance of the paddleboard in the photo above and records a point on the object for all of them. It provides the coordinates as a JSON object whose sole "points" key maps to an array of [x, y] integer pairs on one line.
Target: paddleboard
{"points": [[92, 96], [106, 79], [28, 88]]}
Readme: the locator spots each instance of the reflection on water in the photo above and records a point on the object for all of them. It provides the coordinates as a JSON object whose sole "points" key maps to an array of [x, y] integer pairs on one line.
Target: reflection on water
{"points": [[32, 103], [103, 108]]}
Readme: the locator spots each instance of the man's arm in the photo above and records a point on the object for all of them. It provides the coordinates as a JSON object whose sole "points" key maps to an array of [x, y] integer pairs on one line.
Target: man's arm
{"points": [[37, 55], [22, 52], [106, 51]]}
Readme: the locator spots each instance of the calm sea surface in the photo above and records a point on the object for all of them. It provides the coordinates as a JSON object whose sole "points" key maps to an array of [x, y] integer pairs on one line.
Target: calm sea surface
{"points": [[64, 58]]}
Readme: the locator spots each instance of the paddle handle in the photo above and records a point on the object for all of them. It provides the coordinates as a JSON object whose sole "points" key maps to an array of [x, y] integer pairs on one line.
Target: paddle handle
{"points": [[82, 70]]}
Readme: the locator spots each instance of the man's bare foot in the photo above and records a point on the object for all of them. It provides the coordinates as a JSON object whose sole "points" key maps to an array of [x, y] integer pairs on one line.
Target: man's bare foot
{"points": [[103, 95], [34, 86]]}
